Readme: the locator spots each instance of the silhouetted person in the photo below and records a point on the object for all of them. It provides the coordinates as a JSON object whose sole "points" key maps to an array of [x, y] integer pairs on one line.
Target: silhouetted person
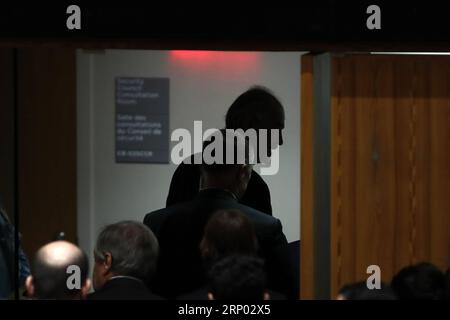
{"points": [[52, 274], [422, 281], [125, 257], [237, 277], [7, 257], [360, 291], [257, 108], [180, 228], [228, 232]]}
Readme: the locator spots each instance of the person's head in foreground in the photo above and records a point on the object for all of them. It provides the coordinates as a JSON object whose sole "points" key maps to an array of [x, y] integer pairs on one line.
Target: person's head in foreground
{"points": [[257, 108], [126, 248], [227, 162], [228, 232], [237, 277], [422, 281], [59, 271], [360, 291]]}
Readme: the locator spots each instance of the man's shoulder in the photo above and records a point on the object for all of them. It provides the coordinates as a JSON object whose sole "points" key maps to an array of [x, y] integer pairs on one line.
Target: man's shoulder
{"points": [[258, 216], [157, 217], [268, 229], [154, 215]]}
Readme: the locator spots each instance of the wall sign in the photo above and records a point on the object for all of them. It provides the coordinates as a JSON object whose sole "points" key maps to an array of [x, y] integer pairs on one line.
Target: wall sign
{"points": [[142, 120]]}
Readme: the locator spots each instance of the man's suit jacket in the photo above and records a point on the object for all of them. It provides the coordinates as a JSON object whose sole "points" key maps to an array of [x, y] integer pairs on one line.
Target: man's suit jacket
{"points": [[185, 182], [123, 289], [180, 228]]}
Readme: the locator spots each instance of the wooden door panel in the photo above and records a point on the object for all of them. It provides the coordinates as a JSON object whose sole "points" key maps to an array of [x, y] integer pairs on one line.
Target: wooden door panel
{"points": [[397, 146], [47, 145]]}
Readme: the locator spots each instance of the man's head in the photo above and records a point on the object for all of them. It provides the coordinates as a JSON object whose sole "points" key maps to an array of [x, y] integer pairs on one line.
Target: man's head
{"points": [[126, 248], [55, 272], [227, 162], [237, 277], [257, 108], [419, 282], [228, 232]]}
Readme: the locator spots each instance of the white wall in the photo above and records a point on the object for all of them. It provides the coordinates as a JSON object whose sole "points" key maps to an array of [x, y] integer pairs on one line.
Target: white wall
{"points": [[202, 87]]}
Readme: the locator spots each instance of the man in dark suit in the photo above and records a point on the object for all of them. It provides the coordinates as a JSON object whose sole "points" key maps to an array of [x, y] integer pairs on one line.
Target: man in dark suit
{"points": [[180, 228], [125, 256]]}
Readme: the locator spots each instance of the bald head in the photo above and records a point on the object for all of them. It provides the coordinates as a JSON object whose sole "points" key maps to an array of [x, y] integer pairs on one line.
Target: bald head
{"points": [[52, 268], [59, 254]]}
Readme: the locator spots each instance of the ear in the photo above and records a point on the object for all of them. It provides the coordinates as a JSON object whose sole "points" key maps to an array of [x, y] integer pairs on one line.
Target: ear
{"points": [[201, 183], [204, 249], [107, 263], [244, 172], [85, 289], [210, 296], [249, 168], [29, 286], [266, 296]]}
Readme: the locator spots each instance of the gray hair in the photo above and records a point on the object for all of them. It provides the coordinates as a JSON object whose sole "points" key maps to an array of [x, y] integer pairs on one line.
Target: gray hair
{"points": [[132, 246]]}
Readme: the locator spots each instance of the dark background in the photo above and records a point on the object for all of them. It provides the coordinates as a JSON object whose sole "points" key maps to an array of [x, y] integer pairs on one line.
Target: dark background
{"points": [[301, 25]]}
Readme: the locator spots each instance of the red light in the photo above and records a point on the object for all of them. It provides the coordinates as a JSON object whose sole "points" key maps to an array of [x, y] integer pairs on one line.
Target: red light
{"points": [[192, 54], [222, 62]]}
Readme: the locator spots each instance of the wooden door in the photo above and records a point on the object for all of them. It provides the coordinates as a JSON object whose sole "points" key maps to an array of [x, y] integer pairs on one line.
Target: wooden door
{"points": [[47, 145], [389, 162]]}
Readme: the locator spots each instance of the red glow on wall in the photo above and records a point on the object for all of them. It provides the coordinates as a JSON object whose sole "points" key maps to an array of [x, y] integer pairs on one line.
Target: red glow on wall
{"points": [[224, 62], [194, 54]]}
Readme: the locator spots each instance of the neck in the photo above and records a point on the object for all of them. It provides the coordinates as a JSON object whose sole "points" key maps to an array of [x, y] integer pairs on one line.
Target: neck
{"points": [[233, 193], [208, 183]]}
